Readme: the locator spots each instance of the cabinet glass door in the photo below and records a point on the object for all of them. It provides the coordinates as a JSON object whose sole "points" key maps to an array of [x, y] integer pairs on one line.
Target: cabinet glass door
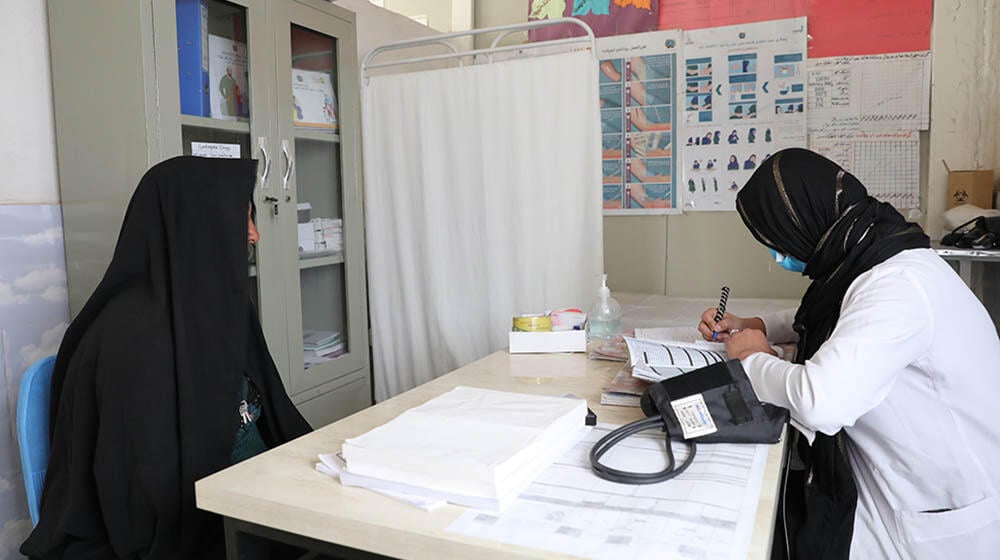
{"points": [[318, 174], [224, 78]]}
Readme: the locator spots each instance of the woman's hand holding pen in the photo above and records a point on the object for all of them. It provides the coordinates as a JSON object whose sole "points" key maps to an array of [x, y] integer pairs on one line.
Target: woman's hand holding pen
{"points": [[727, 326]]}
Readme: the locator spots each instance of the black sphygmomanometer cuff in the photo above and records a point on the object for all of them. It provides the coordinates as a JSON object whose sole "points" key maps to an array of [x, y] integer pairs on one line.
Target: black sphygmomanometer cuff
{"points": [[739, 416]]}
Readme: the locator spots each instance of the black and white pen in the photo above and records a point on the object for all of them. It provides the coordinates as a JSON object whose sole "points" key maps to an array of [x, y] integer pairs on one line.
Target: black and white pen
{"points": [[720, 311]]}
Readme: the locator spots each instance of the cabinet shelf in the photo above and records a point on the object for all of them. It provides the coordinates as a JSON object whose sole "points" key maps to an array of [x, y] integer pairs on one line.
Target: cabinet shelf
{"points": [[241, 125], [318, 135], [312, 260]]}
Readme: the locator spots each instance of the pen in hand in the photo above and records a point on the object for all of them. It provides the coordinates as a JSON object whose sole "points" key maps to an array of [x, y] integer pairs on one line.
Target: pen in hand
{"points": [[720, 311]]}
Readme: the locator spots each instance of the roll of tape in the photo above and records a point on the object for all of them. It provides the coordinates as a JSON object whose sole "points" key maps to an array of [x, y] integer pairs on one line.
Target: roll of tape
{"points": [[533, 323]]}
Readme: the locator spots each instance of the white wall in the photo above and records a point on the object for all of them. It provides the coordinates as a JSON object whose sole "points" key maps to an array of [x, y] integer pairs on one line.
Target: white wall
{"points": [[438, 12], [703, 250], [27, 139], [965, 102]]}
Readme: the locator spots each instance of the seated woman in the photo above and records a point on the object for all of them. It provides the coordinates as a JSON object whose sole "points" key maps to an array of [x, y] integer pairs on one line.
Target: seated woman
{"points": [[150, 377], [894, 382]]}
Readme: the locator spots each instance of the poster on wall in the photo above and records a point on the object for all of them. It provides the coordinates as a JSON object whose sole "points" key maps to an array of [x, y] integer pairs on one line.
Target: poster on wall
{"points": [[699, 14], [864, 112], [845, 27], [884, 92], [605, 17], [742, 99], [638, 116]]}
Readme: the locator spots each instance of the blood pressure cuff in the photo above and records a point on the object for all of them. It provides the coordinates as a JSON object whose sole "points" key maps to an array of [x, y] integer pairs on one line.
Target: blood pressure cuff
{"points": [[718, 396]]}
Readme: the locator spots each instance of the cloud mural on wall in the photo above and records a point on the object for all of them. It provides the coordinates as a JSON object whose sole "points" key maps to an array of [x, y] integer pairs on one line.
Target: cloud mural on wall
{"points": [[9, 297], [34, 314], [39, 280], [47, 346], [48, 236]]}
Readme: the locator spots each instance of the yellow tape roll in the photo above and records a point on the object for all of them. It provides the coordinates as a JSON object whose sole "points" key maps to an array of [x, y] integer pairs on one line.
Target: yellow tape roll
{"points": [[532, 323]]}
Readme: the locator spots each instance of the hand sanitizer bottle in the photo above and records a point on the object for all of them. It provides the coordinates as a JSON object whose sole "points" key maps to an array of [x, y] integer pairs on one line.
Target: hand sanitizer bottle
{"points": [[604, 323]]}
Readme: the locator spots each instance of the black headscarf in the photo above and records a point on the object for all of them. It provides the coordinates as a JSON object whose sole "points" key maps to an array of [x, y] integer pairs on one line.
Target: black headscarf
{"points": [[147, 380], [801, 204]]}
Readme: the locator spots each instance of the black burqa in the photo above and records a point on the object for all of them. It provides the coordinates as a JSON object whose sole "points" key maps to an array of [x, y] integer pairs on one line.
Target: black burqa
{"points": [[148, 378], [801, 204]]}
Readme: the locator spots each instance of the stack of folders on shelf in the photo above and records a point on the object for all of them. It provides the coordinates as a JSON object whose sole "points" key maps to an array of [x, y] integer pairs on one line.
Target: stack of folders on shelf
{"points": [[322, 344], [321, 235], [471, 447], [329, 234]]}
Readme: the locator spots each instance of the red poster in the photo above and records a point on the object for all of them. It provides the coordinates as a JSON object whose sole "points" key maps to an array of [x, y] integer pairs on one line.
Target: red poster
{"points": [[836, 27], [854, 27], [699, 14]]}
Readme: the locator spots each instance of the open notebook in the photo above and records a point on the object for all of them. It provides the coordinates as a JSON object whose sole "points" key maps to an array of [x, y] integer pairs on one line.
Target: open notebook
{"points": [[654, 361]]}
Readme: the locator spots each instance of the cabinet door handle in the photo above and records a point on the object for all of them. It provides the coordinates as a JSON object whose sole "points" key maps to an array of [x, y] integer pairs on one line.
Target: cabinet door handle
{"points": [[289, 163], [262, 144]]}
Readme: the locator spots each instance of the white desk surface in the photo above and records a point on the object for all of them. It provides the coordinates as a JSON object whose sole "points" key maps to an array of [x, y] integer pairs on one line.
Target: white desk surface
{"points": [[281, 489]]}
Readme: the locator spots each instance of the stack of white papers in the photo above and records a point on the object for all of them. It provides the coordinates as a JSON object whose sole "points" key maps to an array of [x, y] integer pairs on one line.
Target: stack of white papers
{"points": [[468, 446]]}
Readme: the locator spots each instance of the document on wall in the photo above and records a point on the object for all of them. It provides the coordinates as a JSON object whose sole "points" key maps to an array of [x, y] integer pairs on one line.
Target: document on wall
{"points": [[706, 512], [638, 122], [886, 163], [873, 93], [743, 99]]}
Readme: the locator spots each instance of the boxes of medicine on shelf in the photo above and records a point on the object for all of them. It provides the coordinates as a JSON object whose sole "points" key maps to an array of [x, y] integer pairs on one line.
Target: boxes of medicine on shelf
{"points": [[970, 186], [558, 331]]}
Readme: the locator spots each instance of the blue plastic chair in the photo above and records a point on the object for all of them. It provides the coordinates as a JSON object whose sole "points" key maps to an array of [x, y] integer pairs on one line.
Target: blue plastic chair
{"points": [[33, 430]]}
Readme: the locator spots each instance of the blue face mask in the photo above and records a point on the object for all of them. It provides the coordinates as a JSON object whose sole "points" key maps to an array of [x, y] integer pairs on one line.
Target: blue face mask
{"points": [[787, 262]]}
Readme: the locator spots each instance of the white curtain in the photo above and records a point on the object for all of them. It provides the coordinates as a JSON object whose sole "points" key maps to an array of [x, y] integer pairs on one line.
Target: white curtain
{"points": [[482, 201]]}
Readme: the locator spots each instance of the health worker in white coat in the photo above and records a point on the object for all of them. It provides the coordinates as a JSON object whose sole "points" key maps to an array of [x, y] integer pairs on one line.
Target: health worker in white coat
{"points": [[895, 387]]}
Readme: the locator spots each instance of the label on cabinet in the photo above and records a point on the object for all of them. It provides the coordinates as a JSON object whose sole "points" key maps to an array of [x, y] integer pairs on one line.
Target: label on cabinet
{"points": [[215, 150]]}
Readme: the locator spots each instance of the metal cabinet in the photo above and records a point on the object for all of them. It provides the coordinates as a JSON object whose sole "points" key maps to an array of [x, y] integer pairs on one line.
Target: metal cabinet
{"points": [[122, 75]]}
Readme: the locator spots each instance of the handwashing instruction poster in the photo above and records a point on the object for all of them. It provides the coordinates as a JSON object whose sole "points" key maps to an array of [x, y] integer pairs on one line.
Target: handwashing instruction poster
{"points": [[638, 85], [743, 98]]}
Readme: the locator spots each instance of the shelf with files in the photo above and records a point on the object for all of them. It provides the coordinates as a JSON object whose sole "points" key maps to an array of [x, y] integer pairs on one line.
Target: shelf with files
{"points": [[318, 135], [231, 125]]}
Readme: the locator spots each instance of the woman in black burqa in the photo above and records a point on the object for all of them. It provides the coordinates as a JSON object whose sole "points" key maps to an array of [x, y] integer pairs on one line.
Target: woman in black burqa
{"points": [[150, 375]]}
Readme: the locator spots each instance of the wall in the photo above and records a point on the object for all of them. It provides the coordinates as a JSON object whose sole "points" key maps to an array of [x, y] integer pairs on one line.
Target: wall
{"points": [[33, 305], [27, 147], [703, 250], [965, 101], [438, 12]]}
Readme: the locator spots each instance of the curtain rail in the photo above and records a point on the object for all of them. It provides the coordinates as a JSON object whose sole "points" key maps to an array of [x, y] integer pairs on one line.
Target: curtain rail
{"points": [[504, 31]]}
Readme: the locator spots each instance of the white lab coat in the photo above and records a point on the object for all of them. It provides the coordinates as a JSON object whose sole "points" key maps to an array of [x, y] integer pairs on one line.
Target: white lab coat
{"points": [[912, 375]]}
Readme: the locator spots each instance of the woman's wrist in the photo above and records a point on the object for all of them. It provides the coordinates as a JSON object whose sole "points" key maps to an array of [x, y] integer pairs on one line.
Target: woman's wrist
{"points": [[755, 323]]}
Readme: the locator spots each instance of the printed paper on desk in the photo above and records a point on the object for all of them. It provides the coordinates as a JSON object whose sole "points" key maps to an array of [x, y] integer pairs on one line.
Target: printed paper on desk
{"points": [[708, 512]]}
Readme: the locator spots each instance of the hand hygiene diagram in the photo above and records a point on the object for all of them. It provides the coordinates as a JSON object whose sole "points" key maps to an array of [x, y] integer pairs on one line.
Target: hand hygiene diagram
{"points": [[638, 114], [707, 512], [744, 99]]}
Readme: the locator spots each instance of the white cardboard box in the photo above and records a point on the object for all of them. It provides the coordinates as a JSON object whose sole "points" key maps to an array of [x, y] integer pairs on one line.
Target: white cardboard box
{"points": [[540, 342]]}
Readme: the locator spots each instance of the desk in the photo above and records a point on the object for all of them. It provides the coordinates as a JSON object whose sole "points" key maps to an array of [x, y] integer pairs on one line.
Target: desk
{"points": [[280, 496]]}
